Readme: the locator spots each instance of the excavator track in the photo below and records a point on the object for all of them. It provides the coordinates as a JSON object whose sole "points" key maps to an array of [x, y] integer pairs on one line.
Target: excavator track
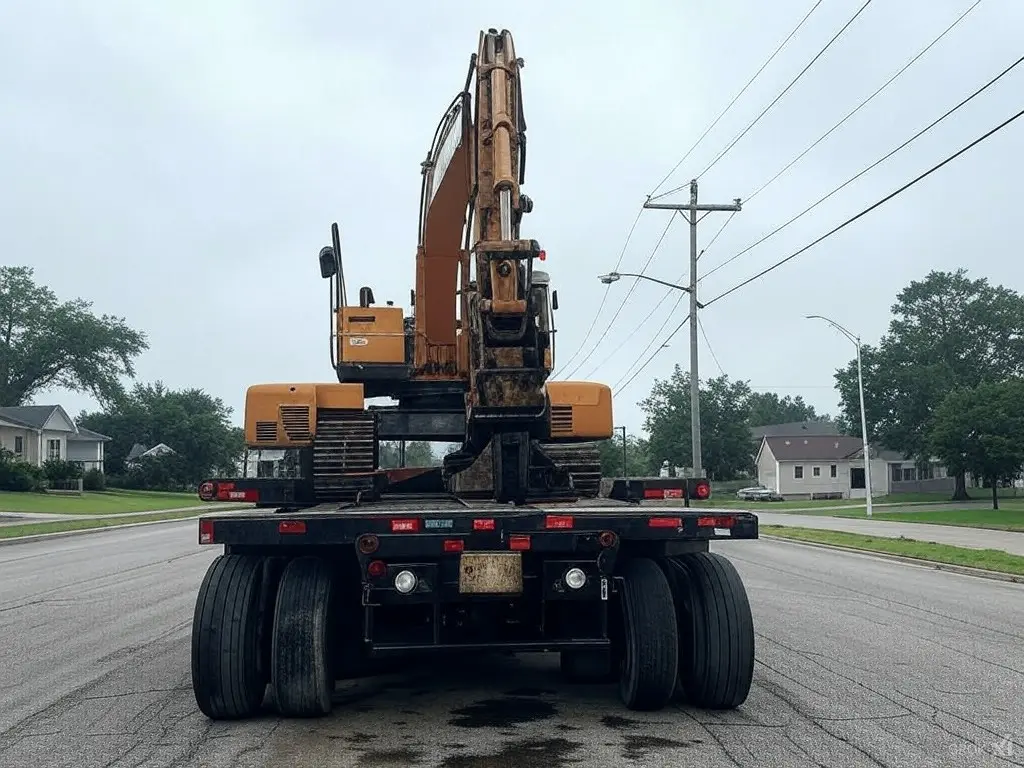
{"points": [[583, 460], [344, 454]]}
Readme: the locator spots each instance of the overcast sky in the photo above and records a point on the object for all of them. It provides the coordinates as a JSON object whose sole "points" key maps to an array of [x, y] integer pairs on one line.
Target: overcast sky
{"points": [[180, 164]]}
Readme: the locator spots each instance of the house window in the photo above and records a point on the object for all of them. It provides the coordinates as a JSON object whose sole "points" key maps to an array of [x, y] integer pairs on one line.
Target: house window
{"points": [[909, 474], [798, 472], [897, 472], [833, 471], [53, 449], [816, 472], [857, 477], [19, 445]]}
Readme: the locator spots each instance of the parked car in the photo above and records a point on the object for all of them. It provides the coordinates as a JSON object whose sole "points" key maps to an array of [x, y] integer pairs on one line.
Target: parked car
{"points": [[758, 493]]}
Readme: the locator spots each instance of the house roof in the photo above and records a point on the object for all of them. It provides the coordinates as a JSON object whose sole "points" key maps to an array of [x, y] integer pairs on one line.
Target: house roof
{"points": [[813, 447], [794, 428], [137, 450], [34, 416], [87, 435]]}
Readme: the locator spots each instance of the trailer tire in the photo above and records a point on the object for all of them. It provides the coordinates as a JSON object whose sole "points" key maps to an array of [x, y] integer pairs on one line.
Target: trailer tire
{"points": [[228, 679], [650, 658], [587, 666], [716, 631], [301, 674]]}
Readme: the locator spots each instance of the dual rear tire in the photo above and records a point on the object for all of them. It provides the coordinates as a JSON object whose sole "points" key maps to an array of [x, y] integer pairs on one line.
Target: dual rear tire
{"points": [[245, 637], [686, 633]]}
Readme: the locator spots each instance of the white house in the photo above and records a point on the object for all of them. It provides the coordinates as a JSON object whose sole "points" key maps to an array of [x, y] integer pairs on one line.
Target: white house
{"points": [[37, 433], [819, 466]]}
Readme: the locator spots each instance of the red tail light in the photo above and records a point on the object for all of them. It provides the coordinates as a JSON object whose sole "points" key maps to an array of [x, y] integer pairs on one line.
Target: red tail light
{"points": [[716, 521], [654, 493], [483, 525], [702, 491], [227, 492], [518, 543], [207, 491], [291, 526], [542, 255], [376, 569], [407, 525], [606, 539], [558, 521], [206, 531], [665, 522]]}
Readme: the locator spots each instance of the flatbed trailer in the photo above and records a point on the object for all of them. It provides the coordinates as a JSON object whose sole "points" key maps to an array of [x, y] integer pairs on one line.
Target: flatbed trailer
{"points": [[301, 598]]}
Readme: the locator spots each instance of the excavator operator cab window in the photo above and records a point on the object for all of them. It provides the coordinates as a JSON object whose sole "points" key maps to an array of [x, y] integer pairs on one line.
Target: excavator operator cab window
{"points": [[541, 302]]}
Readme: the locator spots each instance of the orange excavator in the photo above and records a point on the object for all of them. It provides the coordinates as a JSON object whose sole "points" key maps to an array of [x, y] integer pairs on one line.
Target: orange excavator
{"points": [[472, 364]]}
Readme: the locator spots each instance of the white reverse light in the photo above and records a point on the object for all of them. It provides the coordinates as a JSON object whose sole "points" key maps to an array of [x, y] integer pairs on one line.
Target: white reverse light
{"points": [[575, 578], [405, 582]]}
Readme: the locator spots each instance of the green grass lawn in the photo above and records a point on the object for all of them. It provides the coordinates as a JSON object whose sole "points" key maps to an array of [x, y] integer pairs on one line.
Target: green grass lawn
{"points": [[95, 503], [81, 524], [987, 559], [1009, 517], [980, 495]]}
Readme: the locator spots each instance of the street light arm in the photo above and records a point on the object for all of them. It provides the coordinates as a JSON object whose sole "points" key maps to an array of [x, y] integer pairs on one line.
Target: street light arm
{"points": [[611, 277], [855, 340]]}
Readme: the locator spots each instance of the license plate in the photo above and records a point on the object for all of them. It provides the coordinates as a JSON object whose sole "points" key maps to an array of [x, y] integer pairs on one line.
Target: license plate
{"points": [[491, 573]]}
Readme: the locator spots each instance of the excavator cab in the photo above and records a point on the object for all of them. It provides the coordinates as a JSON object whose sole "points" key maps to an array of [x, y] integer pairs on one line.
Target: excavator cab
{"points": [[544, 304]]}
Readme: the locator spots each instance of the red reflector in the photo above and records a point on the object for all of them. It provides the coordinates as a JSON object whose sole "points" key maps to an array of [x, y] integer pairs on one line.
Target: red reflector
{"points": [[665, 522], [454, 545], [483, 525], [291, 526], [702, 491], [518, 543], [408, 525], [721, 521], [558, 521], [227, 492], [206, 531], [654, 493], [673, 493], [377, 568]]}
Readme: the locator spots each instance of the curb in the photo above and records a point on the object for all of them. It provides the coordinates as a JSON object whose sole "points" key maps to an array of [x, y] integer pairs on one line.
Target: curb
{"points": [[80, 531], [963, 570]]}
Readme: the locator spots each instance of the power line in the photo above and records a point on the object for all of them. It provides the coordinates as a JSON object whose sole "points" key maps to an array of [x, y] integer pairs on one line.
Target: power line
{"points": [[604, 298], [878, 162], [736, 97], [710, 348], [868, 210], [860, 106], [678, 328], [622, 304], [776, 99]]}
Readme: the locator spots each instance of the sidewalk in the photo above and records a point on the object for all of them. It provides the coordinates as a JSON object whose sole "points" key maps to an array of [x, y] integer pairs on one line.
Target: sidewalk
{"points": [[25, 518], [973, 538]]}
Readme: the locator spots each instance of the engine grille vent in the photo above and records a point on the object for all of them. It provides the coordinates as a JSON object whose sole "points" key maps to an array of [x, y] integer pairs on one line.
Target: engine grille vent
{"points": [[561, 419], [295, 419], [266, 432]]}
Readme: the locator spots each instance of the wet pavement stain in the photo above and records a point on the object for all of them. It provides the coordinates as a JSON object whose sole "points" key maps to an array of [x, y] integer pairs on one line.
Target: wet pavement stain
{"points": [[357, 738], [618, 723], [389, 758], [567, 727], [501, 713], [546, 753], [638, 747]]}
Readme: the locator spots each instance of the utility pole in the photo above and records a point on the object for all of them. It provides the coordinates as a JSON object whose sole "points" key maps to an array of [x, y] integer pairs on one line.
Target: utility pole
{"points": [[694, 208]]}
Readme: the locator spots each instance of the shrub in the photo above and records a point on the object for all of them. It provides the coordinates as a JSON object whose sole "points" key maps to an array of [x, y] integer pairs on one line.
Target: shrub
{"points": [[58, 470], [16, 475], [94, 480]]}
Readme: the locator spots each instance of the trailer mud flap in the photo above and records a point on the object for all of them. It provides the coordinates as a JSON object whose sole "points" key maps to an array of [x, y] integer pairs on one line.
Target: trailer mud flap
{"points": [[491, 573]]}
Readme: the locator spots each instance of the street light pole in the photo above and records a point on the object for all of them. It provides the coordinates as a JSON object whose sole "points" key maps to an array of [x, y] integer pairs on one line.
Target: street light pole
{"points": [[693, 208], [855, 340]]}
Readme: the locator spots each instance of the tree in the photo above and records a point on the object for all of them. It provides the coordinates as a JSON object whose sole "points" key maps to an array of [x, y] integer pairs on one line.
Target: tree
{"points": [[418, 453], [194, 424], [981, 431], [637, 458], [769, 408], [947, 332], [725, 434], [45, 343]]}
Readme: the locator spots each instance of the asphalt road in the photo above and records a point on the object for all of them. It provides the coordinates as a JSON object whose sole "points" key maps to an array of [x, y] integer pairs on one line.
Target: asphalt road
{"points": [[861, 662]]}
